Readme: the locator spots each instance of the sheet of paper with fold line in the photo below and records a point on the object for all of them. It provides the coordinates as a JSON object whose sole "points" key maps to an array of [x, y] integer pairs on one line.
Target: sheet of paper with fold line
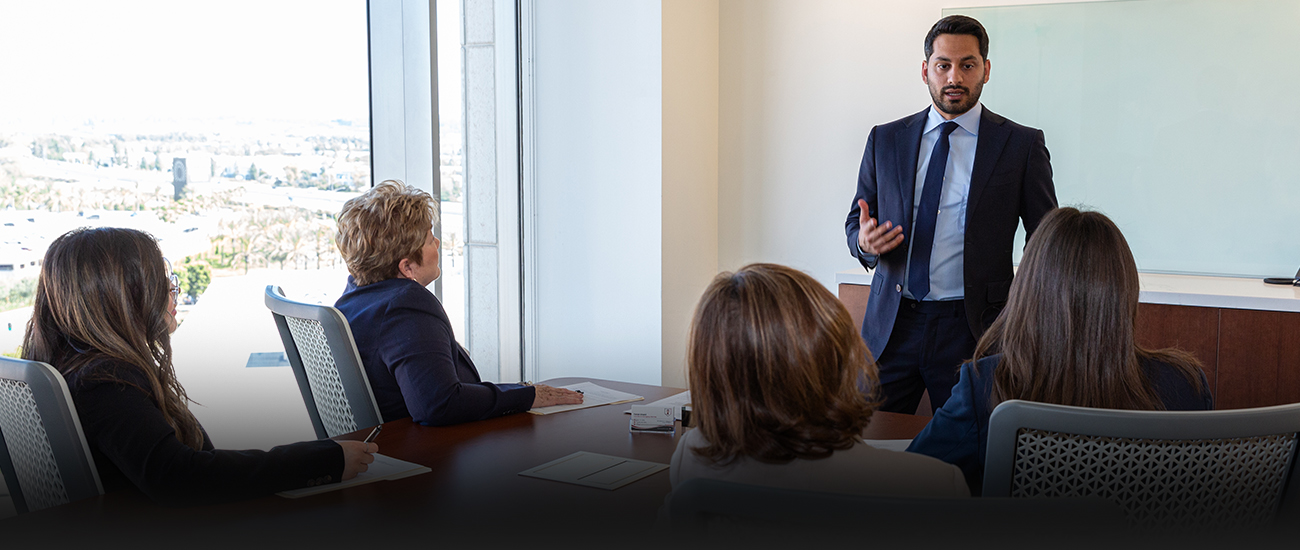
{"points": [[595, 470]]}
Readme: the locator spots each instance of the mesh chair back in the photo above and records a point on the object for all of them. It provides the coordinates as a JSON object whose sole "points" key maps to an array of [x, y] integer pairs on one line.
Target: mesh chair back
{"points": [[1198, 470], [320, 348], [43, 452]]}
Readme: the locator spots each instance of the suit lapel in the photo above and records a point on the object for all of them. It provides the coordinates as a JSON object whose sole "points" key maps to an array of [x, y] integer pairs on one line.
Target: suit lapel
{"points": [[993, 137], [908, 145]]}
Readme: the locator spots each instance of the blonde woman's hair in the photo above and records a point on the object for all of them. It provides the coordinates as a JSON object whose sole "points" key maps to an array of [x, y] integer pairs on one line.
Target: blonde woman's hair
{"points": [[777, 368], [382, 227], [104, 294]]}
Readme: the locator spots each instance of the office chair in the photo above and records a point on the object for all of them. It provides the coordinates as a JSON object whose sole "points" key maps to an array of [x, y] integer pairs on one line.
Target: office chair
{"points": [[1198, 470], [43, 452], [735, 512], [321, 351]]}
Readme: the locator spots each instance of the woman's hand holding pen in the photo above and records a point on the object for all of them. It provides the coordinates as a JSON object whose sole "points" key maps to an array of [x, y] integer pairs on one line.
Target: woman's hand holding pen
{"points": [[357, 455], [547, 396]]}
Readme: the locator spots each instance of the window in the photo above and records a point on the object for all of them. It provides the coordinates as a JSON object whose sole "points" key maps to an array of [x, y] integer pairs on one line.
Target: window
{"points": [[231, 131]]}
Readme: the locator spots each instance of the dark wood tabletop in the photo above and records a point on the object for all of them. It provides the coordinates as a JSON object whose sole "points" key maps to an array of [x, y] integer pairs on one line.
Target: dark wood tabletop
{"points": [[473, 490]]}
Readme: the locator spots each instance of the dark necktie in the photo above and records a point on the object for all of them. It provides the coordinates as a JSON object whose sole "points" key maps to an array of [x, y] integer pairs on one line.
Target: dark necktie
{"points": [[918, 273]]}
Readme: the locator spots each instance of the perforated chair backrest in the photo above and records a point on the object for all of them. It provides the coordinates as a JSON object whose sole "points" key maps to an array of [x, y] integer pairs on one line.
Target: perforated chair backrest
{"points": [[1199, 470], [724, 510], [43, 452], [324, 358]]}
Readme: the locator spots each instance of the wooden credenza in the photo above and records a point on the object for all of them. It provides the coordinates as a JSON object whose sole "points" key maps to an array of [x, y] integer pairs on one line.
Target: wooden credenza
{"points": [[1245, 333]]}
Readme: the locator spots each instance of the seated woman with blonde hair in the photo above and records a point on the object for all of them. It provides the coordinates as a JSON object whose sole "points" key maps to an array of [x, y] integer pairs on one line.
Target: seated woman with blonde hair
{"points": [[104, 313], [776, 367], [1067, 336], [416, 367]]}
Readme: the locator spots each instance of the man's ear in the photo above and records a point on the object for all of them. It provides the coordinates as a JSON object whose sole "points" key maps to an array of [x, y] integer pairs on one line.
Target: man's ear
{"points": [[988, 66], [925, 72]]}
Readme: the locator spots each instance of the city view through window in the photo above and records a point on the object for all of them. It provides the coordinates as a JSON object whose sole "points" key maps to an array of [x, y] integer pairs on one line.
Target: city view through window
{"points": [[233, 132]]}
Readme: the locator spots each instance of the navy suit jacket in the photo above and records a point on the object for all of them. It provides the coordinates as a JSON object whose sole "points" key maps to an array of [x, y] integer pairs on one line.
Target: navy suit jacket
{"points": [[959, 432], [416, 367], [1011, 181]]}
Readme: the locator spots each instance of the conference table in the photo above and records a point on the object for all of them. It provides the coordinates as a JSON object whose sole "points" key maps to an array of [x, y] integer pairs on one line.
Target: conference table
{"points": [[473, 493]]}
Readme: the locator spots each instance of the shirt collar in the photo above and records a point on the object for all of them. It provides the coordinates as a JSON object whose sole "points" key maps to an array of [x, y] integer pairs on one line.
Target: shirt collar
{"points": [[969, 121]]}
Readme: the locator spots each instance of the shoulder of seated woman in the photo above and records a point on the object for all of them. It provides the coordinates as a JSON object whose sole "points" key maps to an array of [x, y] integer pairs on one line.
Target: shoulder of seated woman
{"points": [[109, 371]]}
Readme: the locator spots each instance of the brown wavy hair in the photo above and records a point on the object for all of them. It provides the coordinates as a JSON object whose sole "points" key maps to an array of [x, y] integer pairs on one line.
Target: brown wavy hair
{"points": [[777, 368], [1067, 333], [104, 294], [382, 227]]}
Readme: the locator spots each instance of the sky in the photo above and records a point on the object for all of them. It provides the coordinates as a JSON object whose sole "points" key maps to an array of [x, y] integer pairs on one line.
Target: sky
{"points": [[167, 59]]}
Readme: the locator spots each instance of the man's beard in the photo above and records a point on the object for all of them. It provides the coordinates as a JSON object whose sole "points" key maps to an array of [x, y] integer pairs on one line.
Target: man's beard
{"points": [[971, 97]]}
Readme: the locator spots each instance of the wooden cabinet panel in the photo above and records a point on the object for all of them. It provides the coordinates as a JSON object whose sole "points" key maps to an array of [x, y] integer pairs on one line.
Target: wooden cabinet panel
{"points": [[1192, 329], [855, 299], [1259, 356], [1251, 358]]}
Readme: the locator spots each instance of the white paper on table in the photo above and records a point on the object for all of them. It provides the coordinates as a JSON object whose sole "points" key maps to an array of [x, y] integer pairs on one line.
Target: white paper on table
{"points": [[383, 468], [592, 396], [899, 445], [675, 401], [595, 470]]}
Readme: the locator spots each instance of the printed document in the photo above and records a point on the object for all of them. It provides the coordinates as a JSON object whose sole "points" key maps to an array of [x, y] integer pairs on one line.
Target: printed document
{"points": [[592, 396]]}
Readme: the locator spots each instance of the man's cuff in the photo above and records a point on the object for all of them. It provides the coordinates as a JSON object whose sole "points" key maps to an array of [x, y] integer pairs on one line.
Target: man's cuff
{"points": [[869, 259]]}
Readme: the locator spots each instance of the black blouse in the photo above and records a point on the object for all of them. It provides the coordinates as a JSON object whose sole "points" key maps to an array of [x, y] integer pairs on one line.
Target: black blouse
{"points": [[133, 445]]}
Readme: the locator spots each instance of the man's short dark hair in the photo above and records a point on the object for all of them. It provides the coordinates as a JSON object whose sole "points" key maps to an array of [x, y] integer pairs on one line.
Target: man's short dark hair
{"points": [[957, 24]]}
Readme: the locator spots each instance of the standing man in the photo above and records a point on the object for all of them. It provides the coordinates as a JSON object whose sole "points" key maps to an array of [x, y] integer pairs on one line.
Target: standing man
{"points": [[940, 194]]}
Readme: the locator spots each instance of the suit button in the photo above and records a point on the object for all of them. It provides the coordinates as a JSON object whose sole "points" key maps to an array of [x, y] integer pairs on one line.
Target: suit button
{"points": [[898, 288]]}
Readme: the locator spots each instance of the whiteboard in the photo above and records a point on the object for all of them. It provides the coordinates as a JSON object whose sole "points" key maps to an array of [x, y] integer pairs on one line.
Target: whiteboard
{"points": [[1179, 119]]}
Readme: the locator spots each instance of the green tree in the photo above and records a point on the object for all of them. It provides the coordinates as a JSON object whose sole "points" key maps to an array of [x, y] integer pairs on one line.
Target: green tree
{"points": [[195, 278]]}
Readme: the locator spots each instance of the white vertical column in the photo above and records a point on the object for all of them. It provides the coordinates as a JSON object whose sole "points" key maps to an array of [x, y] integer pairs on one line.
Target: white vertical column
{"points": [[482, 254], [404, 96]]}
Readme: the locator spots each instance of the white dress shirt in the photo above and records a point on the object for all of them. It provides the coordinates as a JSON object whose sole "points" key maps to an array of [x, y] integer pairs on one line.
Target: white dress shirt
{"points": [[947, 281]]}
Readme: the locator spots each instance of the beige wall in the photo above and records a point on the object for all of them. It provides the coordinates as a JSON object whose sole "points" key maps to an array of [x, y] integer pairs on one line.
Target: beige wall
{"points": [[782, 94], [801, 84], [690, 170]]}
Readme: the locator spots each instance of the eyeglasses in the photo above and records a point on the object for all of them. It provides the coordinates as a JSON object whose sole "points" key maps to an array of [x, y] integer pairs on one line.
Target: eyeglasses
{"points": [[173, 279]]}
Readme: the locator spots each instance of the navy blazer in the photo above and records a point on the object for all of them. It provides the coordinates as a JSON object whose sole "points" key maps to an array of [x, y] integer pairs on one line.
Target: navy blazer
{"points": [[416, 367], [1011, 181], [959, 432]]}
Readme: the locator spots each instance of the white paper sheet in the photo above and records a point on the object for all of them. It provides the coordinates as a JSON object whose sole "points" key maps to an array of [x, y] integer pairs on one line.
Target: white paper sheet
{"points": [[595, 470], [383, 468], [592, 396]]}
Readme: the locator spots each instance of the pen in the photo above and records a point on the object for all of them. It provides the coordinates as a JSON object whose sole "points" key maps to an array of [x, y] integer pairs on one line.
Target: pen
{"points": [[373, 433]]}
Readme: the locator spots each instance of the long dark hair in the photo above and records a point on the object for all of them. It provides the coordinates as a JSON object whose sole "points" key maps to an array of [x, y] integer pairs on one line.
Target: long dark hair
{"points": [[777, 368], [1067, 333], [104, 293]]}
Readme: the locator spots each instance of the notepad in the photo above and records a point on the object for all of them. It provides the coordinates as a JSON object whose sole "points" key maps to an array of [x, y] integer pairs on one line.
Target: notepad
{"points": [[384, 468], [595, 470], [592, 396]]}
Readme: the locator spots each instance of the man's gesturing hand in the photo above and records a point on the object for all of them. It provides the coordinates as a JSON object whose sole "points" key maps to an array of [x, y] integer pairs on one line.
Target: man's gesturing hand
{"points": [[874, 239]]}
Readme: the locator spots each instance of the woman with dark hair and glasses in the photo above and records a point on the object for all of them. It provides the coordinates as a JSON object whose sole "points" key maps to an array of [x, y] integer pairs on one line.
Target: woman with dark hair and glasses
{"points": [[1065, 337], [104, 313]]}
